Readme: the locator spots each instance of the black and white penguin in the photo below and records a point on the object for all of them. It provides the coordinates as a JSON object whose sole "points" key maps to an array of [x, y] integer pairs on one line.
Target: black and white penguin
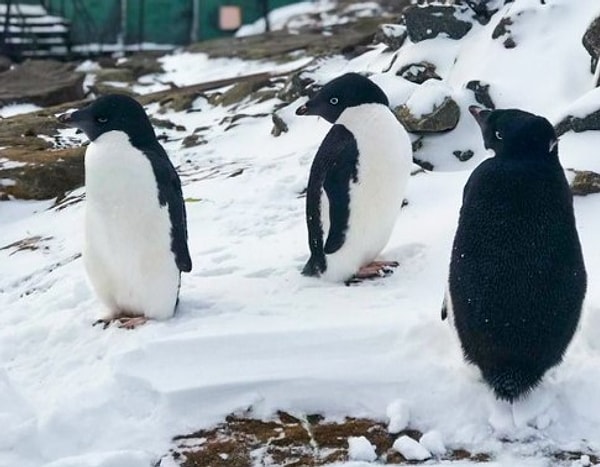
{"points": [[517, 277], [135, 222], [357, 179]]}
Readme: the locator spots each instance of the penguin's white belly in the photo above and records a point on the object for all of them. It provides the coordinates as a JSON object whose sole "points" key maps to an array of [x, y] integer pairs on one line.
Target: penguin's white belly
{"points": [[127, 251], [384, 163]]}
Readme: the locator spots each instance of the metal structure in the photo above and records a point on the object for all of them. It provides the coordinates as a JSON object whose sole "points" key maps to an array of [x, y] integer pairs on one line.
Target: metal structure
{"points": [[50, 27]]}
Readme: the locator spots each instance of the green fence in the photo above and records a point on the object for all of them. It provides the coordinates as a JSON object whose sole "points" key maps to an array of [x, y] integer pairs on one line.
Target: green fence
{"points": [[158, 21]]}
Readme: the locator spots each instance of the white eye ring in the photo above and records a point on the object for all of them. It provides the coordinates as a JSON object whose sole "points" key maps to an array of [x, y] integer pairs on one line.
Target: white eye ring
{"points": [[333, 100], [102, 119], [498, 135]]}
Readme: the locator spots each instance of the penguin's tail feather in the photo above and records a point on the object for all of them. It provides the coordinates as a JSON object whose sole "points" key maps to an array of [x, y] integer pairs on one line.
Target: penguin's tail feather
{"points": [[512, 382]]}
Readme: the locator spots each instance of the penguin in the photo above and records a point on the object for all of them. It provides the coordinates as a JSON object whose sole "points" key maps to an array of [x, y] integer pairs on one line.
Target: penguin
{"points": [[135, 242], [357, 180], [517, 277]]}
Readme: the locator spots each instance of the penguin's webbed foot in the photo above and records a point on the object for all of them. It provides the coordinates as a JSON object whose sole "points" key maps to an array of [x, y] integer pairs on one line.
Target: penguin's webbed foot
{"points": [[376, 269], [314, 267], [373, 270], [125, 321]]}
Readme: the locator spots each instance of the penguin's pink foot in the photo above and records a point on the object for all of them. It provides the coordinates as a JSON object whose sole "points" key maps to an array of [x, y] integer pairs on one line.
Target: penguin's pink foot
{"points": [[373, 270], [132, 323], [125, 321], [376, 269]]}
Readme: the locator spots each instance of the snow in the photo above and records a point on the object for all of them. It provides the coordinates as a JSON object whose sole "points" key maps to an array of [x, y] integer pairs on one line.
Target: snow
{"points": [[428, 97], [281, 17], [250, 330], [361, 449], [412, 450], [398, 414], [433, 442], [16, 109]]}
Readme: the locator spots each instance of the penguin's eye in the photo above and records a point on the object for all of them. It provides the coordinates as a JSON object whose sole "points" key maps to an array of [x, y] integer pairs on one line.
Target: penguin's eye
{"points": [[333, 100], [498, 135], [101, 119]]}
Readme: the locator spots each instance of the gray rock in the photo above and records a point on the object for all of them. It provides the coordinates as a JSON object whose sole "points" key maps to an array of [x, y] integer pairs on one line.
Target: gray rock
{"points": [[585, 183], [482, 93], [463, 156], [443, 118], [577, 124], [41, 82], [392, 35], [279, 125], [5, 63], [297, 85], [418, 72], [591, 42], [502, 30], [430, 21]]}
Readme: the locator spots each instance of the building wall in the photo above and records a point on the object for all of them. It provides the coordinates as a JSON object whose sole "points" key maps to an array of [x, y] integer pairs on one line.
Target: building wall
{"points": [[158, 21]]}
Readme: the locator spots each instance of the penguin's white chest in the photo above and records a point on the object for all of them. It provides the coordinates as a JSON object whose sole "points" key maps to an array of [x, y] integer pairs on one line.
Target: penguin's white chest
{"points": [[384, 163], [127, 251]]}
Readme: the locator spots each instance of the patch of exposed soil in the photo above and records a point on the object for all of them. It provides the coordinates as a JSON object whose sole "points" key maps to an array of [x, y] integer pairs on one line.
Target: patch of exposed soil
{"points": [[291, 441]]}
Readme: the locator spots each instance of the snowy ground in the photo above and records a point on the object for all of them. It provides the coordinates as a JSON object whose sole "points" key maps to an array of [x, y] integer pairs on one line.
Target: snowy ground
{"points": [[250, 330]]}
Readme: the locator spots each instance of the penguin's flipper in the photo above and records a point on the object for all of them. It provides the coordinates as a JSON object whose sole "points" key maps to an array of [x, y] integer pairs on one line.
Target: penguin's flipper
{"points": [[169, 189], [337, 188], [444, 309], [328, 171]]}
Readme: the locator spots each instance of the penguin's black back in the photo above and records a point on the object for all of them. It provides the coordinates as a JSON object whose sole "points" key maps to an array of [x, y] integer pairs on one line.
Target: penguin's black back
{"points": [[517, 277]]}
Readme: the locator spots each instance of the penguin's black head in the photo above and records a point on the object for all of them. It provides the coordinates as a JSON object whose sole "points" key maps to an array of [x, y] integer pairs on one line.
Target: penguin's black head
{"points": [[349, 90], [515, 133], [113, 112]]}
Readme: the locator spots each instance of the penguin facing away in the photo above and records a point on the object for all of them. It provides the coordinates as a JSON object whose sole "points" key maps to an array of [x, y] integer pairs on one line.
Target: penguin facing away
{"points": [[135, 222], [517, 277], [357, 180]]}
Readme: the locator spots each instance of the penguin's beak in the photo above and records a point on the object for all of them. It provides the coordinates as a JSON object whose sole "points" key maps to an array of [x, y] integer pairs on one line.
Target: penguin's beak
{"points": [[302, 110], [480, 114], [70, 119], [66, 118]]}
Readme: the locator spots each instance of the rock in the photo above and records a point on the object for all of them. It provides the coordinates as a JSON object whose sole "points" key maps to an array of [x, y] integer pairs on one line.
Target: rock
{"points": [[41, 82], [411, 449], [585, 183], [195, 139], [430, 109], [40, 174], [5, 63], [114, 74], [297, 85], [432, 20], [102, 89], [361, 449], [347, 39], [142, 63], [482, 10], [591, 42], [433, 442], [418, 72], [578, 124], [482, 93], [463, 156], [392, 35], [279, 125], [398, 414], [165, 124], [242, 90], [502, 29]]}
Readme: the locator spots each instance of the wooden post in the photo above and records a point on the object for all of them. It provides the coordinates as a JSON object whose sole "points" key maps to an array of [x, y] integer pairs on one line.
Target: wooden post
{"points": [[264, 6]]}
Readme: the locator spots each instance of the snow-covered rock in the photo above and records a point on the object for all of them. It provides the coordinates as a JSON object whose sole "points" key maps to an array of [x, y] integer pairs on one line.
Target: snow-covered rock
{"points": [[398, 414], [411, 450], [361, 449], [433, 442]]}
